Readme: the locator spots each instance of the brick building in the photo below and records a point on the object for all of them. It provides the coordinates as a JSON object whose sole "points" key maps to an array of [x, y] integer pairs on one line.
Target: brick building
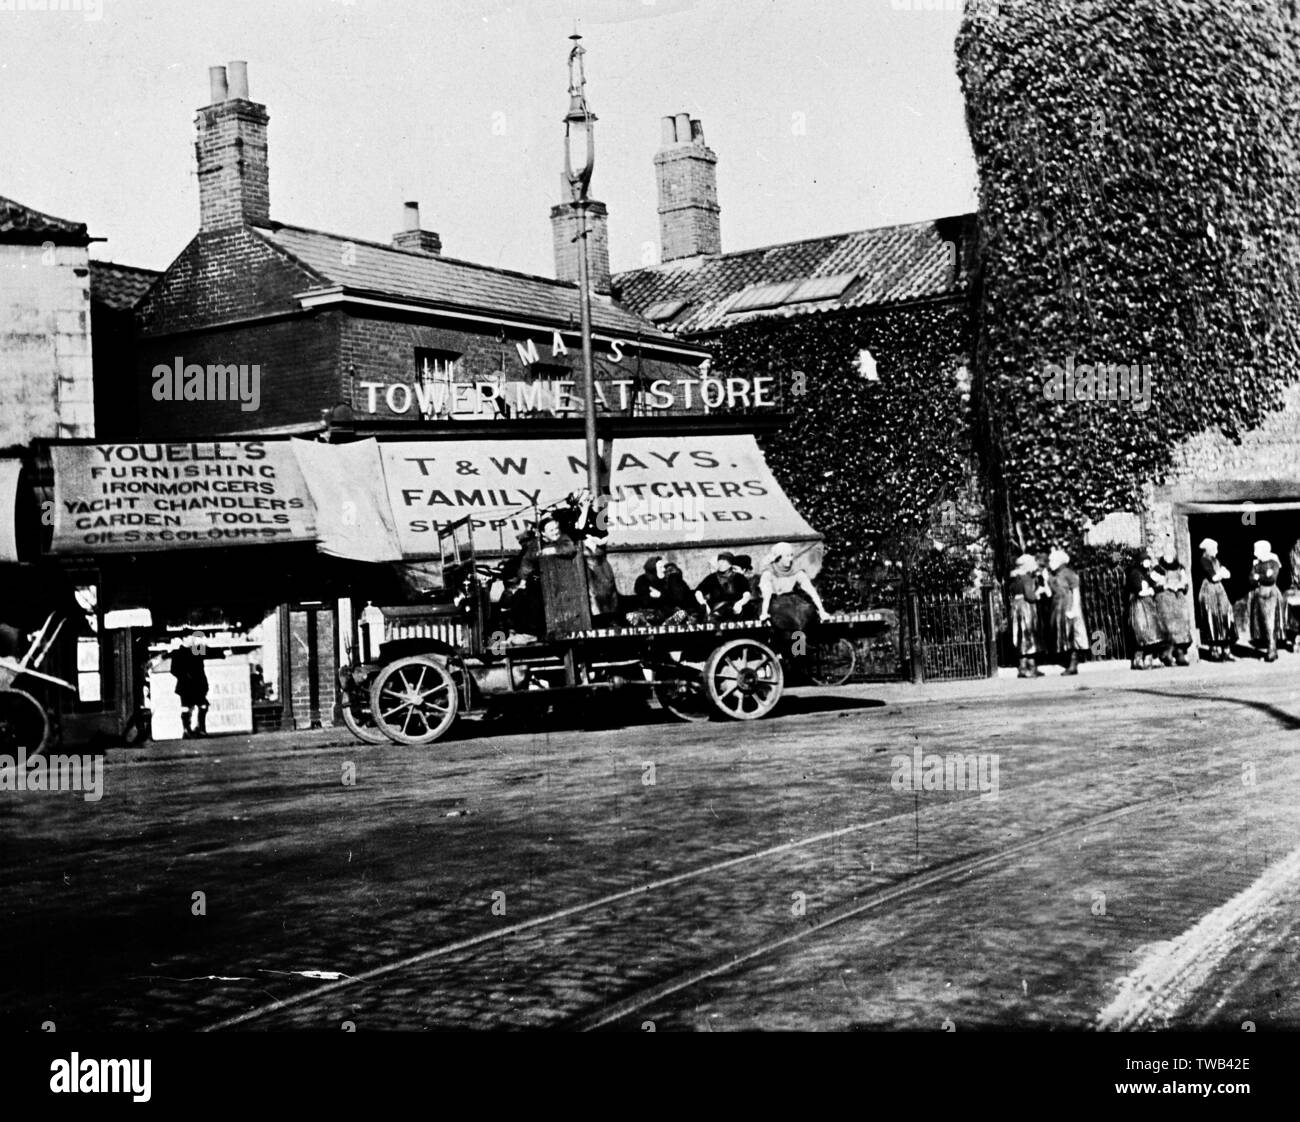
{"points": [[339, 323]]}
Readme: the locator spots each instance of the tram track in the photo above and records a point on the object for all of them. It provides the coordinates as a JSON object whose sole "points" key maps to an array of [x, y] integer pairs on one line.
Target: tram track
{"points": [[892, 894]]}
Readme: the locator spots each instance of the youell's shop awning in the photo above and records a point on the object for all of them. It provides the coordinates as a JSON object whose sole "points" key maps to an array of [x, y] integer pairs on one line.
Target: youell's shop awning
{"points": [[682, 497], [122, 498]]}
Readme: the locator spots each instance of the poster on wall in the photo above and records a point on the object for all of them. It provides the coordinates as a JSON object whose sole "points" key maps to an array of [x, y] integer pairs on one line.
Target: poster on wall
{"points": [[128, 497]]}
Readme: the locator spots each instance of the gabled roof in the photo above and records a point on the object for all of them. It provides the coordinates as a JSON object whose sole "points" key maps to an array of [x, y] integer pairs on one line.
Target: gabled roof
{"points": [[883, 266], [22, 225], [381, 270], [119, 286]]}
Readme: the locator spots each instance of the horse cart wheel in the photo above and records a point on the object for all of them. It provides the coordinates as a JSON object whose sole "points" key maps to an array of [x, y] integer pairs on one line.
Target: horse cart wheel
{"points": [[23, 723], [357, 716], [743, 678], [414, 700], [832, 663]]}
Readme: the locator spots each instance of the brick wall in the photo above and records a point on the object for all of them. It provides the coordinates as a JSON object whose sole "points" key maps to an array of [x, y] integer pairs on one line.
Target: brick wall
{"points": [[232, 164], [564, 229], [46, 373], [297, 361], [689, 221], [299, 666], [220, 277], [1263, 468], [383, 350]]}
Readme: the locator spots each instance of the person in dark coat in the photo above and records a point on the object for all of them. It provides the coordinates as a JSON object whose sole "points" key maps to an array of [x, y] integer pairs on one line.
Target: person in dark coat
{"points": [[191, 684], [724, 593], [1069, 632], [1215, 616], [744, 568], [1023, 592], [1172, 607], [680, 597], [654, 601], [1292, 600], [1143, 618], [1265, 600], [602, 587]]}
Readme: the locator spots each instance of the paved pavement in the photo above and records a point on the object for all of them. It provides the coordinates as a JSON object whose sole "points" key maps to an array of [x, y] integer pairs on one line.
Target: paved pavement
{"points": [[730, 875]]}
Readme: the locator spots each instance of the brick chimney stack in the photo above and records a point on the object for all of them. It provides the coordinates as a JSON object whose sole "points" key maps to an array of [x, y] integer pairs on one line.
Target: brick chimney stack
{"points": [[234, 178], [564, 230], [686, 170], [412, 237]]}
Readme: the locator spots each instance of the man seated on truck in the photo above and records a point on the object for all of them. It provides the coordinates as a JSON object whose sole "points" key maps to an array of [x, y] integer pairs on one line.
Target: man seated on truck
{"points": [[724, 593]]}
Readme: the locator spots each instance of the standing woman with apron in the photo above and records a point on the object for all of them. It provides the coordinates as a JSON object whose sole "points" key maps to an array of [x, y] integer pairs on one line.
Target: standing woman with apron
{"points": [[1216, 619], [1023, 592]]}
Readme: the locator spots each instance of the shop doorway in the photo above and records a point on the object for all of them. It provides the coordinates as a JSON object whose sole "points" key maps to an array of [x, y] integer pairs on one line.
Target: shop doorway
{"points": [[1236, 528]]}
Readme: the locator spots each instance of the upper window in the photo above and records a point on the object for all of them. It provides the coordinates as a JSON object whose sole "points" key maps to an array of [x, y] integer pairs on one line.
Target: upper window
{"points": [[435, 372]]}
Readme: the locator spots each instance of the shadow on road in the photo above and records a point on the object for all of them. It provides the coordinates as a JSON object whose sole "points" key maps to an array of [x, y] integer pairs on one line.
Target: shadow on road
{"points": [[1285, 719]]}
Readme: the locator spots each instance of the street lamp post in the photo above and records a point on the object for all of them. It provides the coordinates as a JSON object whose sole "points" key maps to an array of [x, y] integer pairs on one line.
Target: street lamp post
{"points": [[578, 130]]}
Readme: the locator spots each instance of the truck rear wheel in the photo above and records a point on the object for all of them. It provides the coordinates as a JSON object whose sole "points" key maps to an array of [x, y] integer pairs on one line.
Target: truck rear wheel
{"points": [[744, 679]]}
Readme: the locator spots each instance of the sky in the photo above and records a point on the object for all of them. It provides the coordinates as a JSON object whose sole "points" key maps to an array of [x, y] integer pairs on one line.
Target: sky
{"points": [[826, 115]]}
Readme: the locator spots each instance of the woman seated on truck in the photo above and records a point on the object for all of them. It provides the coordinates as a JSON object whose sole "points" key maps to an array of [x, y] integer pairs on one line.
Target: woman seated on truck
{"points": [[654, 599], [790, 601]]}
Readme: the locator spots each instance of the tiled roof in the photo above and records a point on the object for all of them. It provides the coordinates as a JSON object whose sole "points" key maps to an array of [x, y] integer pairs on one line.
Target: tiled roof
{"points": [[372, 268], [20, 223], [119, 286], [888, 265]]}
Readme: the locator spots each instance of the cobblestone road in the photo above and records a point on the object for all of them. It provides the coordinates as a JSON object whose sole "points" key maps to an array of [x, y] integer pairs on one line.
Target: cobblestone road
{"points": [[537, 878]]}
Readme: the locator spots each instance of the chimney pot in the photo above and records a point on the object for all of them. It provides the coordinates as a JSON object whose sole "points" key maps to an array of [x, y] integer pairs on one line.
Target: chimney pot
{"points": [[683, 128], [668, 132], [239, 80], [217, 84], [411, 216]]}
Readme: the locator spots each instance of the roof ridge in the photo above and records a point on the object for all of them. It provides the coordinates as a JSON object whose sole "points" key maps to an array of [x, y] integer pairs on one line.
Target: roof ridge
{"points": [[735, 253], [273, 226], [131, 268]]}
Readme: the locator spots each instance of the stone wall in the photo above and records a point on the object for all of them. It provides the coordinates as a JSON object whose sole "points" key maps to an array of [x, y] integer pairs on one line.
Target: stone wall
{"points": [[46, 377]]}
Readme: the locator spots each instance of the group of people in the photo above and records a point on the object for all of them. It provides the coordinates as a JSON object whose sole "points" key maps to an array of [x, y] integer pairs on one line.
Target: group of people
{"points": [[779, 592], [1060, 631], [1047, 611], [1269, 610]]}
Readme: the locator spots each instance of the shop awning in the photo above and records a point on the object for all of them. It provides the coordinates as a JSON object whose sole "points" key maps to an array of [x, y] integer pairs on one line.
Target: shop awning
{"points": [[683, 497], [9, 471], [120, 498]]}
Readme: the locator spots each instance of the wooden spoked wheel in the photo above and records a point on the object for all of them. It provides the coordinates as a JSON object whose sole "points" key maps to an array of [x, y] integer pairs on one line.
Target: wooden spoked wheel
{"points": [[23, 723], [832, 663], [414, 700], [743, 679], [357, 716]]}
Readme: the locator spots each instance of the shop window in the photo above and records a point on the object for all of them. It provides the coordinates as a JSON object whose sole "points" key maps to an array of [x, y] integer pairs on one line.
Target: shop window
{"points": [[90, 657]]}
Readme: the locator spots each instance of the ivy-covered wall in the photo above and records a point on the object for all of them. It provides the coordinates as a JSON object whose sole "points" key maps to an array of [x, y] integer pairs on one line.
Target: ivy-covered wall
{"points": [[884, 468], [1139, 166]]}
